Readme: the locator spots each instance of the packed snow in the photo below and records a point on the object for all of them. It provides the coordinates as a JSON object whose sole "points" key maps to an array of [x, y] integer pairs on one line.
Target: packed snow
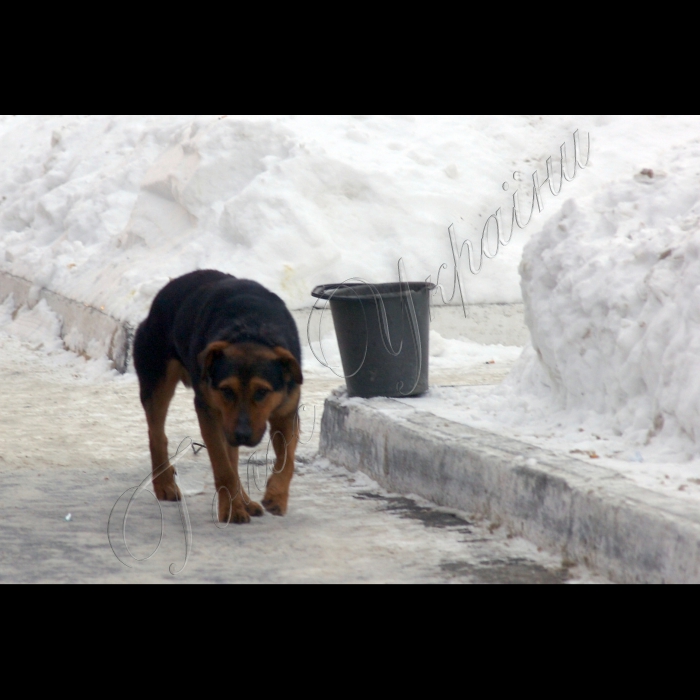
{"points": [[105, 209]]}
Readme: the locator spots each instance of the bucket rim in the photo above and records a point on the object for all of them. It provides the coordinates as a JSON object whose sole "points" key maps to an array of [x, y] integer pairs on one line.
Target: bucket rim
{"points": [[329, 292]]}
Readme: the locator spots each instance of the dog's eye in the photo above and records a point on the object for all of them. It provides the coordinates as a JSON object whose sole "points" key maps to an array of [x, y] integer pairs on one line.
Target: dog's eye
{"points": [[260, 395], [229, 395]]}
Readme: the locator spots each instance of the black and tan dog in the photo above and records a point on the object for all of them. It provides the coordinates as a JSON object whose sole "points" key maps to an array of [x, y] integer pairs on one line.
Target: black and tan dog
{"points": [[236, 344]]}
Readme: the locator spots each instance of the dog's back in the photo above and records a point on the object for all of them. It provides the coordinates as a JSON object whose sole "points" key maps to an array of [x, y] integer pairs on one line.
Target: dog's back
{"points": [[204, 306], [154, 342], [236, 311]]}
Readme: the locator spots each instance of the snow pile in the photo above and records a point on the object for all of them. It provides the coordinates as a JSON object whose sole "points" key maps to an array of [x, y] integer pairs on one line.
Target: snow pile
{"points": [[612, 293], [39, 327], [612, 299], [465, 355], [105, 209]]}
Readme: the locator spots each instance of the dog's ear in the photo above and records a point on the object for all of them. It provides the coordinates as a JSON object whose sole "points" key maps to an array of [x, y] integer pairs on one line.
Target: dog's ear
{"points": [[209, 354], [289, 363]]}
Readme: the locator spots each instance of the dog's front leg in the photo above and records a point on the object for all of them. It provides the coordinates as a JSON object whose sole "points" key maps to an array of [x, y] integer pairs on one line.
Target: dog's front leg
{"points": [[284, 434], [251, 506], [232, 507]]}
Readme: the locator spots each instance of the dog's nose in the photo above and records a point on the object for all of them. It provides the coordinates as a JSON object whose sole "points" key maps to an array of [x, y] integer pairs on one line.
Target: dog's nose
{"points": [[243, 435]]}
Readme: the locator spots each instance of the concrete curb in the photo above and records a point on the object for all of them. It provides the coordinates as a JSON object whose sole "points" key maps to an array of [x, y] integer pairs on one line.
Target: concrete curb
{"points": [[90, 331], [84, 328], [588, 513]]}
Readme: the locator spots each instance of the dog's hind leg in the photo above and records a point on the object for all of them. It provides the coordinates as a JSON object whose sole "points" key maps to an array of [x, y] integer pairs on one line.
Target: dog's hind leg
{"points": [[155, 400]]}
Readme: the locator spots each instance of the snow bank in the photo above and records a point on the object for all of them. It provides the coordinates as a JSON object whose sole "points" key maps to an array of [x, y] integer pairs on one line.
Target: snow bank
{"points": [[612, 299], [39, 327], [105, 209]]}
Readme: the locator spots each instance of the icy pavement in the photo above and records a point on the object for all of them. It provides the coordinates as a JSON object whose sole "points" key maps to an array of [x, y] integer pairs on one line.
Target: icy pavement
{"points": [[70, 445]]}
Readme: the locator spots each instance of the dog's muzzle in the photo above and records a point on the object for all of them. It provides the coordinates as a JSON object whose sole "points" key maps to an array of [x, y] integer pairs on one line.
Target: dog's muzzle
{"points": [[242, 438]]}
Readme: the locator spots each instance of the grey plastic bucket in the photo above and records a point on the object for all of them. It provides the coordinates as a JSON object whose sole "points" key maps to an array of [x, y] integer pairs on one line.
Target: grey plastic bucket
{"points": [[382, 332]]}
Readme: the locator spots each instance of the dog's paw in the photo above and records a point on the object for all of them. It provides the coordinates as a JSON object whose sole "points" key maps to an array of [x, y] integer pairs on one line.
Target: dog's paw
{"points": [[275, 503], [238, 516], [236, 512], [254, 509], [167, 491]]}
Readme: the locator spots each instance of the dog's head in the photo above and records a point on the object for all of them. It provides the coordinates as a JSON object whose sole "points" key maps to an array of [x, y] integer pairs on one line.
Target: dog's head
{"points": [[247, 382]]}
